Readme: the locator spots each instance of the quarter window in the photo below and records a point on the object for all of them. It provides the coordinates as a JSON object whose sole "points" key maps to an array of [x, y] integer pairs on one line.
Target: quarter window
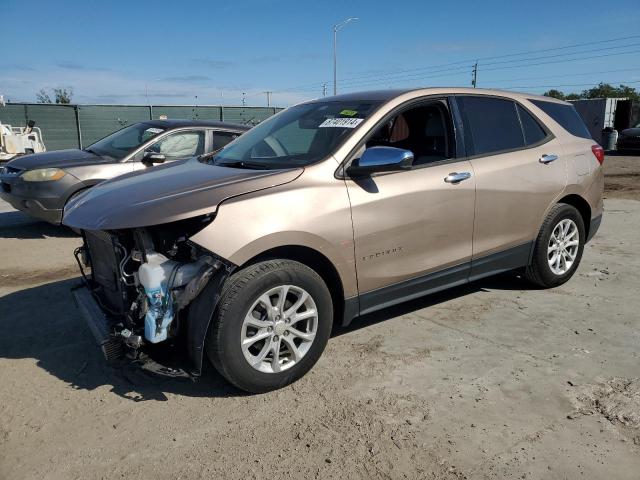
{"points": [[566, 116], [533, 132], [491, 125]]}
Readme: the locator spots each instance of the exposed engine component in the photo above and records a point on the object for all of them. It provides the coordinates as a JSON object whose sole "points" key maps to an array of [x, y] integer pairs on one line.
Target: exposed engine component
{"points": [[143, 279], [161, 278]]}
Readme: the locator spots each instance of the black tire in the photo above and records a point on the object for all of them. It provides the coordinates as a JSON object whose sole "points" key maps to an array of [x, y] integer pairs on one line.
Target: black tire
{"points": [[539, 272], [238, 294]]}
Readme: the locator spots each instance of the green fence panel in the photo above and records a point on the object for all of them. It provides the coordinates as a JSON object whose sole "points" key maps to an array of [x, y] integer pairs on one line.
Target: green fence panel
{"points": [[98, 121], [58, 125], [247, 115], [14, 115], [177, 112]]}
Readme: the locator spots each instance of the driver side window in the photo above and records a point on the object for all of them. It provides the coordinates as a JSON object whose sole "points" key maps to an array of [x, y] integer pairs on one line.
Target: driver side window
{"points": [[425, 130], [177, 146]]}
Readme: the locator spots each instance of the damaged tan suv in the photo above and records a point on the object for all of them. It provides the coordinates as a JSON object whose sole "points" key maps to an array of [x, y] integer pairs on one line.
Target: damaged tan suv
{"points": [[329, 210]]}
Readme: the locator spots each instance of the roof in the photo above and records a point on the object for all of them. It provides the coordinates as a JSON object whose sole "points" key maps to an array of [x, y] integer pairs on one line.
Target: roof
{"points": [[170, 124], [386, 95]]}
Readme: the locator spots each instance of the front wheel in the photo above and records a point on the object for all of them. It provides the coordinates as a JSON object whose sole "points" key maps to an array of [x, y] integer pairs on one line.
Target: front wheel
{"points": [[271, 325], [558, 248]]}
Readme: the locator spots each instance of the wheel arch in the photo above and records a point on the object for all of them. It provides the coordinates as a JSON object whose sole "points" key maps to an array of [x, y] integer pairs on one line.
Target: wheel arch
{"points": [[582, 206], [315, 260]]}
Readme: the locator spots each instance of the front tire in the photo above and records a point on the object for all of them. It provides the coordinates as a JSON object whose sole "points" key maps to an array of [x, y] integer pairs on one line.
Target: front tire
{"points": [[271, 325], [558, 247]]}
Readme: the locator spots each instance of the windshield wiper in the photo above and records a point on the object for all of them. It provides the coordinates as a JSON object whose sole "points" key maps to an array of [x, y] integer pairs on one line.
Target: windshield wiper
{"points": [[243, 164]]}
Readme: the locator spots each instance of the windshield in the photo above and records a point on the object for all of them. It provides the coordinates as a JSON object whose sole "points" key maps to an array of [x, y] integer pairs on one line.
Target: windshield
{"points": [[296, 137], [121, 143]]}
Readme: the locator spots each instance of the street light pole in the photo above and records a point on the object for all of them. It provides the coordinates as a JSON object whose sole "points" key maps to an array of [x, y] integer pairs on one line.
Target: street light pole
{"points": [[337, 27]]}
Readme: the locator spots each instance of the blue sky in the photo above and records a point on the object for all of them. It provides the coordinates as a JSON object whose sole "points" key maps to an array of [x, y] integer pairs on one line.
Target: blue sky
{"points": [[118, 51]]}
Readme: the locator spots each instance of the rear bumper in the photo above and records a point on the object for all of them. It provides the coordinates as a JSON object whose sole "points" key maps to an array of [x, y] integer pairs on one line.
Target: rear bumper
{"points": [[101, 326], [594, 226]]}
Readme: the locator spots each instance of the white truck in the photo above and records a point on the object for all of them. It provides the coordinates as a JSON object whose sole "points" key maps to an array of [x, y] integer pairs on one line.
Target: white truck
{"points": [[16, 141]]}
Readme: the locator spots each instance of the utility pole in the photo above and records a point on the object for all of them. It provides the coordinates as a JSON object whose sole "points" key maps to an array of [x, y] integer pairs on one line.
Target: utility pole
{"points": [[324, 89], [244, 101], [474, 81], [337, 27], [268, 98]]}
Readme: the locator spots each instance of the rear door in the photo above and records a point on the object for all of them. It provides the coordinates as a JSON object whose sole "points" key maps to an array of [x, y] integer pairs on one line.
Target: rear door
{"points": [[220, 138], [519, 168]]}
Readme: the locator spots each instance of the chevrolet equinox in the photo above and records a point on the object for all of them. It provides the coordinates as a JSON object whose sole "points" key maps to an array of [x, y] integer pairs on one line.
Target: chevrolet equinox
{"points": [[328, 210]]}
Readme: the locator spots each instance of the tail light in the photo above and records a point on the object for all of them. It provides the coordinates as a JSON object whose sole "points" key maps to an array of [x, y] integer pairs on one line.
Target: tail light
{"points": [[598, 151]]}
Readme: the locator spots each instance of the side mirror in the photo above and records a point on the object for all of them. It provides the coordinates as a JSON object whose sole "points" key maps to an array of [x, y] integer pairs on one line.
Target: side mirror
{"points": [[381, 159], [150, 158], [31, 123]]}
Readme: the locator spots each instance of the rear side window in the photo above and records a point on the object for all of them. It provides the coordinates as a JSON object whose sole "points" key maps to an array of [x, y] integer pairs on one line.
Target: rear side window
{"points": [[566, 116], [491, 125], [220, 139], [533, 132]]}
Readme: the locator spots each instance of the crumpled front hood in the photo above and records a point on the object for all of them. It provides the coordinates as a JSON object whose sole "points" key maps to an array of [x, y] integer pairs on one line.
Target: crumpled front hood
{"points": [[57, 159], [167, 193]]}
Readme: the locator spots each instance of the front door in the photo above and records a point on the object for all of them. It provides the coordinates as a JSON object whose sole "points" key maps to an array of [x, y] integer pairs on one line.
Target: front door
{"points": [[174, 146], [413, 229]]}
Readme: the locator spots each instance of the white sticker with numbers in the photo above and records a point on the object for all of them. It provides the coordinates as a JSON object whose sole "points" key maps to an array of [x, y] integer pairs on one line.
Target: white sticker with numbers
{"points": [[341, 123]]}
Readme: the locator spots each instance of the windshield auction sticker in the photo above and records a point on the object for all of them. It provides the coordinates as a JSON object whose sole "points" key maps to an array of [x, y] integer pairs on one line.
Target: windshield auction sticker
{"points": [[341, 123]]}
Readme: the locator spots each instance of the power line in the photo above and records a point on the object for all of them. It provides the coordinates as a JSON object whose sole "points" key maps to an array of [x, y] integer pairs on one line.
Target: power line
{"points": [[465, 68], [571, 85], [482, 59], [557, 55], [578, 74], [303, 87], [418, 77]]}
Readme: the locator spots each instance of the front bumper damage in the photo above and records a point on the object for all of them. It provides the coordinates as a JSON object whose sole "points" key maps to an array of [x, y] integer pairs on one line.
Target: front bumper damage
{"points": [[113, 303]]}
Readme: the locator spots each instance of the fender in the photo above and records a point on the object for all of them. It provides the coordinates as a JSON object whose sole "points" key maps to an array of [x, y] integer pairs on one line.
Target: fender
{"points": [[200, 313]]}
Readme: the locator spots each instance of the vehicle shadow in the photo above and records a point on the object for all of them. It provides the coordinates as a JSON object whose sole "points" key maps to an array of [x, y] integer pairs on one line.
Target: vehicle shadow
{"points": [[21, 226], [44, 324], [505, 281]]}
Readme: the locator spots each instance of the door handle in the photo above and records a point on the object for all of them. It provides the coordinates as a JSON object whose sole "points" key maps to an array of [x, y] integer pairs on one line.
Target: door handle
{"points": [[548, 158], [456, 177]]}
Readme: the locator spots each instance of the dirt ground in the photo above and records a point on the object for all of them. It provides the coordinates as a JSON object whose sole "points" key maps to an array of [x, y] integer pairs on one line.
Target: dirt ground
{"points": [[493, 380]]}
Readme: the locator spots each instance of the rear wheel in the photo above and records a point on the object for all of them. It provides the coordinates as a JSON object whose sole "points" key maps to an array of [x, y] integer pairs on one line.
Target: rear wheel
{"points": [[271, 325], [558, 248]]}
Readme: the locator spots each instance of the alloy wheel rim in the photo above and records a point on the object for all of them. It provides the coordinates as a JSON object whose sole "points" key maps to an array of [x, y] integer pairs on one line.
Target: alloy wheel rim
{"points": [[279, 329], [563, 246]]}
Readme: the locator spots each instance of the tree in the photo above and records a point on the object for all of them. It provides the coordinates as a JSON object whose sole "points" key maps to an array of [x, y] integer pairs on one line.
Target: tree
{"points": [[602, 90], [43, 97], [60, 95], [555, 94], [605, 90], [63, 95]]}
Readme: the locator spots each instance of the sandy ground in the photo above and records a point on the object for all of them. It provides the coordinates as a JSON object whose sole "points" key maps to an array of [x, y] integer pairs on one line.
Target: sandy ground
{"points": [[493, 380]]}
